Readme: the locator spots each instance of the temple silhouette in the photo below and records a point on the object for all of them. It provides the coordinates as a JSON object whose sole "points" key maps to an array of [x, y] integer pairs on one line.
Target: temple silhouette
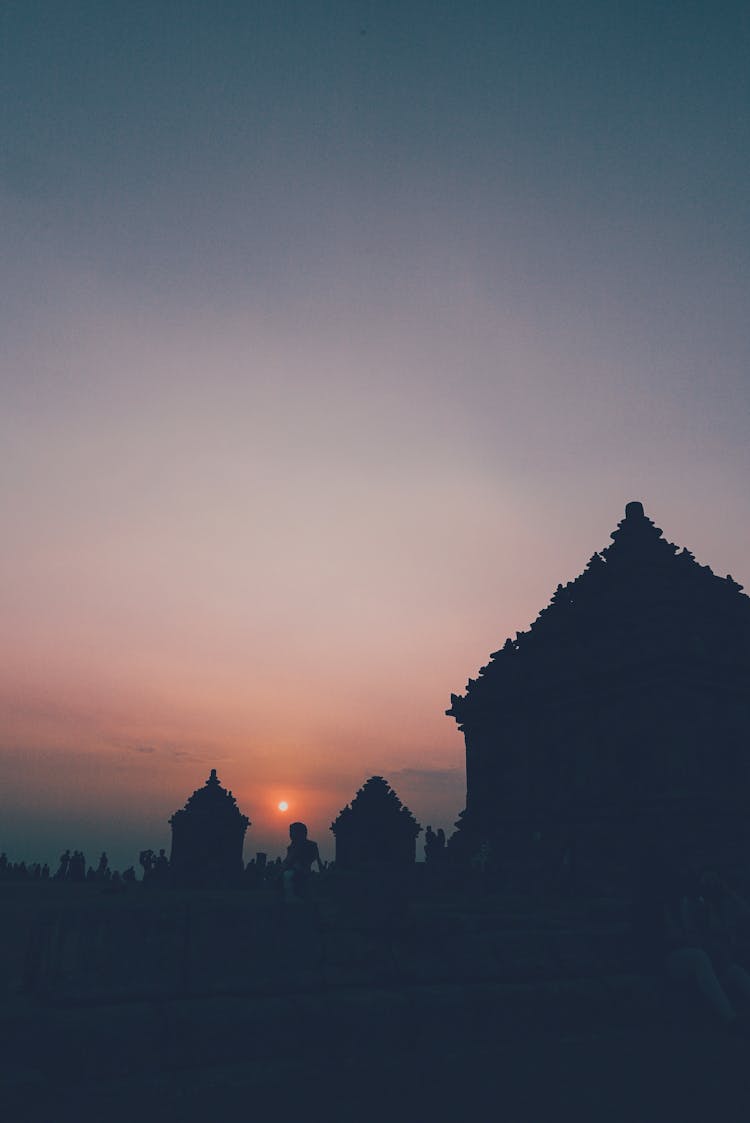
{"points": [[623, 713], [375, 830], [207, 838]]}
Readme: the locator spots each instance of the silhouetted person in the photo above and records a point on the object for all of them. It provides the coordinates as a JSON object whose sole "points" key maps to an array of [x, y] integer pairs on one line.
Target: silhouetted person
{"points": [[77, 867], [62, 869], [434, 856], [146, 859], [161, 868], [690, 925], [300, 855]]}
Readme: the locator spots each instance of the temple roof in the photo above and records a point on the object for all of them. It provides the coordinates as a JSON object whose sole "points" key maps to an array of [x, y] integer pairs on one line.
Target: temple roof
{"points": [[212, 800], [640, 602], [376, 804]]}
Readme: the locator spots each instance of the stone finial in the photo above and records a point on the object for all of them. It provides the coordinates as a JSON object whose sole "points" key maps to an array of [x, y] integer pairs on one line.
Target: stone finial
{"points": [[634, 510]]}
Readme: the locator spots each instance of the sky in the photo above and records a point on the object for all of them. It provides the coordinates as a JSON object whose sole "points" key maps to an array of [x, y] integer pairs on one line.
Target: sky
{"points": [[333, 335]]}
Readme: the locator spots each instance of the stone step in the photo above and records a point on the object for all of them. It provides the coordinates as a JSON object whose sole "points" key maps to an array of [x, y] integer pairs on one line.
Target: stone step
{"points": [[73, 1042]]}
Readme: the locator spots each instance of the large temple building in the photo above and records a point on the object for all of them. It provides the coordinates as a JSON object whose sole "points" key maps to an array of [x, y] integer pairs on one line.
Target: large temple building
{"points": [[624, 712]]}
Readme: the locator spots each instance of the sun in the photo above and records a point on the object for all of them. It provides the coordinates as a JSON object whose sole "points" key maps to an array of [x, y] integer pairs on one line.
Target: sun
{"points": [[283, 805]]}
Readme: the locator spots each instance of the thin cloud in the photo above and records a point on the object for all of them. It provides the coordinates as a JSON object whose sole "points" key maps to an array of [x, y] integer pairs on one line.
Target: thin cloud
{"points": [[433, 776]]}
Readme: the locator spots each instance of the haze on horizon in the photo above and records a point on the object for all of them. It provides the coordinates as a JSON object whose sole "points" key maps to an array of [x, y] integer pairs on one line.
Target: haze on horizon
{"points": [[334, 336]]}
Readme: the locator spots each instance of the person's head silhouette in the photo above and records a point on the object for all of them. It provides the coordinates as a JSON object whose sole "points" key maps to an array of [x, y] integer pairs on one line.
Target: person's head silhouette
{"points": [[297, 832]]}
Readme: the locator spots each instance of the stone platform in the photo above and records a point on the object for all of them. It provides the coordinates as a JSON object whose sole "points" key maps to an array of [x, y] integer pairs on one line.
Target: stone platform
{"points": [[114, 1001]]}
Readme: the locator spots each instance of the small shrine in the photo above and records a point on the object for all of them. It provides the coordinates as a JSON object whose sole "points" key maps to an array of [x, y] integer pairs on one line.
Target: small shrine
{"points": [[375, 830], [622, 713], [207, 837]]}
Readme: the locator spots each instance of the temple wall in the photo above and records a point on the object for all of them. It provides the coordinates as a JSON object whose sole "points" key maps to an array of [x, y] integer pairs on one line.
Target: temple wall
{"points": [[582, 773]]}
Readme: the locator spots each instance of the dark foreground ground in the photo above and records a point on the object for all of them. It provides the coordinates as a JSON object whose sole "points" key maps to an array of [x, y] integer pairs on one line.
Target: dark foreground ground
{"points": [[638, 1074], [213, 1007]]}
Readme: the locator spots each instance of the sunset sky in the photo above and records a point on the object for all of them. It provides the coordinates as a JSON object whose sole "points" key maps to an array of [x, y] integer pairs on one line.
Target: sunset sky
{"points": [[334, 335]]}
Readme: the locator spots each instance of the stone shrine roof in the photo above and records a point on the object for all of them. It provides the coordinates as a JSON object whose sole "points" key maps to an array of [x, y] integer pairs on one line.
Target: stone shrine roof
{"points": [[212, 800], [376, 803], [640, 606]]}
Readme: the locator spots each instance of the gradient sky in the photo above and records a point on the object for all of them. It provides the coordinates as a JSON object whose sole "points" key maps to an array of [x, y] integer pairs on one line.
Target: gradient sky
{"points": [[333, 335]]}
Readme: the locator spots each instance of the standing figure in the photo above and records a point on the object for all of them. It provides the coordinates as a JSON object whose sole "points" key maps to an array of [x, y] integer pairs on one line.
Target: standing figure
{"points": [[77, 866], [62, 869], [300, 855]]}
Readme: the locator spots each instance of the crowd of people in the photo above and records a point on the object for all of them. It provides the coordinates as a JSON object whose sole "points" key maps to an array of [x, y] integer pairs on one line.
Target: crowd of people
{"points": [[20, 871], [72, 868]]}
